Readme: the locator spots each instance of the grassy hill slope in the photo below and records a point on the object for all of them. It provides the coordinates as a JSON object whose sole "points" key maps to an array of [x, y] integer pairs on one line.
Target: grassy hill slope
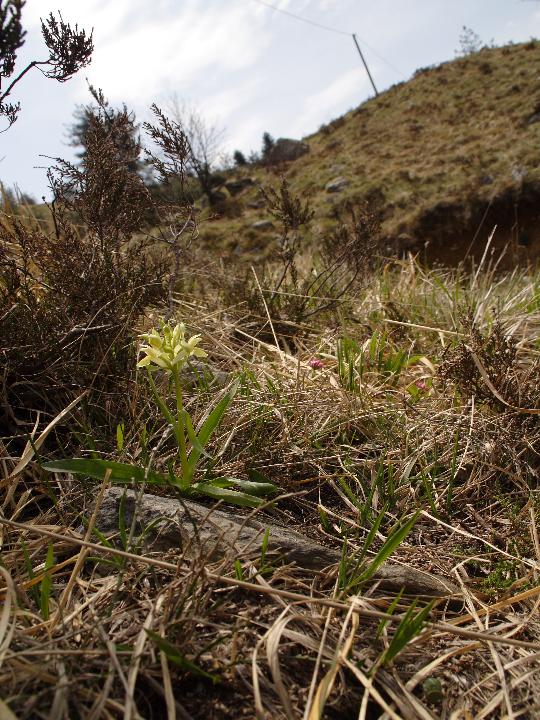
{"points": [[443, 157]]}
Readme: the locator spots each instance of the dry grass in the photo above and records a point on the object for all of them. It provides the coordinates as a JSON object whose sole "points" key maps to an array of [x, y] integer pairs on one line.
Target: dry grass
{"points": [[418, 411]]}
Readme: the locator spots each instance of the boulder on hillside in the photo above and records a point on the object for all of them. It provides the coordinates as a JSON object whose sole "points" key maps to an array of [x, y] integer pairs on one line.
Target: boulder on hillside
{"points": [[217, 197], [263, 225], [285, 149], [235, 187], [336, 185], [255, 204]]}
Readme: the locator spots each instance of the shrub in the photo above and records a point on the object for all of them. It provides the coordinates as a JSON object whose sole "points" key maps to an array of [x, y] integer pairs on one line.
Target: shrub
{"points": [[329, 128], [121, 127], [299, 283], [69, 51], [469, 42], [486, 370], [69, 298]]}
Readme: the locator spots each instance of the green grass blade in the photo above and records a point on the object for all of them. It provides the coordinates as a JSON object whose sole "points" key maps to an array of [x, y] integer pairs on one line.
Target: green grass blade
{"points": [[257, 476], [46, 584], [371, 535], [207, 428], [164, 409], [175, 656], [343, 574], [97, 468], [389, 612], [391, 544], [251, 488], [194, 440], [258, 489], [238, 572], [227, 495], [349, 493], [120, 437], [29, 570], [264, 545], [408, 628]]}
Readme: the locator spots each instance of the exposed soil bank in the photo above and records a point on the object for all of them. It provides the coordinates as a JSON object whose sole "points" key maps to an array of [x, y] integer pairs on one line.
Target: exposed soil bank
{"points": [[449, 232]]}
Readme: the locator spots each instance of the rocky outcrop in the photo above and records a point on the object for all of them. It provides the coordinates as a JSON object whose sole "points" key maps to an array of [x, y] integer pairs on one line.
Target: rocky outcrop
{"points": [[285, 150], [235, 187]]}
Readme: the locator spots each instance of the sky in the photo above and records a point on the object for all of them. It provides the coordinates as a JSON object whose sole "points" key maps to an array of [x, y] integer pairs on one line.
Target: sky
{"points": [[247, 68]]}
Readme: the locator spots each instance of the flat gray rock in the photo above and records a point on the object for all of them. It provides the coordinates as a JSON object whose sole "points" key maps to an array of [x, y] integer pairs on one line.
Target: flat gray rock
{"points": [[169, 523], [263, 225], [337, 185]]}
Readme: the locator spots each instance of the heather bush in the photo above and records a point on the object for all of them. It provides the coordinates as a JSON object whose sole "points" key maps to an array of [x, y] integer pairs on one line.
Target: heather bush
{"points": [[70, 297], [70, 49]]}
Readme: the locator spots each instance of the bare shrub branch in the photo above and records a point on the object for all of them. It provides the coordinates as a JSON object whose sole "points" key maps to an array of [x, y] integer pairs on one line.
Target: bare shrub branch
{"points": [[70, 49]]}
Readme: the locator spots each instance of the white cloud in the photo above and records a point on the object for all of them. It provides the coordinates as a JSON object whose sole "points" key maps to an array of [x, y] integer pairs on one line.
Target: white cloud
{"points": [[346, 91], [106, 17], [524, 27], [246, 134], [174, 47], [328, 4], [221, 105]]}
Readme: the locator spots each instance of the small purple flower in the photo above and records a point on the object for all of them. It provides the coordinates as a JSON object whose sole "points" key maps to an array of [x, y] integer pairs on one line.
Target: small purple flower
{"points": [[421, 385], [315, 363]]}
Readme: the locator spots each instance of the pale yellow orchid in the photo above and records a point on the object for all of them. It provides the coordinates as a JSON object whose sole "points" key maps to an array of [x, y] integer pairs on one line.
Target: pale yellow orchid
{"points": [[169, 350]]}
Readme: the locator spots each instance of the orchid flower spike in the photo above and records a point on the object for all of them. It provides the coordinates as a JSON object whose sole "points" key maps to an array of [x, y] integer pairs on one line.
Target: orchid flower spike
{"points": [[169, 349]]}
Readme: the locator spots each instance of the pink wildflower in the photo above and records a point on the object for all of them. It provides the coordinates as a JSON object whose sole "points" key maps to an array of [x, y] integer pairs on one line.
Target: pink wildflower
{"points": [[315, 363]]}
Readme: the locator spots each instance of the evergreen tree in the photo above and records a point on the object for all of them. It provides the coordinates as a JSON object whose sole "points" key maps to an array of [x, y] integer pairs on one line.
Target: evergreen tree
{"points": [[268, 143], [120, 123], [239, 158]]}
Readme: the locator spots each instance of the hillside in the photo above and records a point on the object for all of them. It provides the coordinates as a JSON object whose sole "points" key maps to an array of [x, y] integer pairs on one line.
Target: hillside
{"points": [[455, 149], [307, 487]]}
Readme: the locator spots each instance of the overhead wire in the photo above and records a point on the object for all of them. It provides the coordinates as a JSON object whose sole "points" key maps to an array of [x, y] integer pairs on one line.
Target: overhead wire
{"points": [[302, 19], [321, 26]]}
